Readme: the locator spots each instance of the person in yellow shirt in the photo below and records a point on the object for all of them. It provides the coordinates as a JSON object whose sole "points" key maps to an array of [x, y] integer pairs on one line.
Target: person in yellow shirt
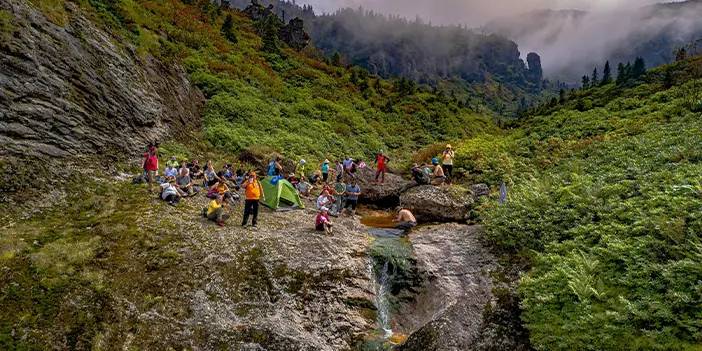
{"points": [[215, 211], [254, 193]]}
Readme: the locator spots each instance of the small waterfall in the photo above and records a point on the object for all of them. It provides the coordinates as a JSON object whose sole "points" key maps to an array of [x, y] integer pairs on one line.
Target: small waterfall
{"points": [[380, 284]]}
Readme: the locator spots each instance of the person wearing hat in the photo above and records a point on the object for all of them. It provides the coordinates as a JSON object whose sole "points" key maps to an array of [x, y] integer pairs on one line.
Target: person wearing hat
{"points": [[325, 170], [173, 162], [254, 193], [300, 169], [447, 161], [322, 223], [439, 176]]}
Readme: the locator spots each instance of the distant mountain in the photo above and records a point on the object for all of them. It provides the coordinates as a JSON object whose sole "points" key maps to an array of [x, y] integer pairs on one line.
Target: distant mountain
{"points": [[574, 41], [391, 46]]}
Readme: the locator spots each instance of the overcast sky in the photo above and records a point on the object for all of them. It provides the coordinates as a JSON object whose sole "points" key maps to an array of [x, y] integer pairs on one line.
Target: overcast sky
{"points": [[474, 13]]}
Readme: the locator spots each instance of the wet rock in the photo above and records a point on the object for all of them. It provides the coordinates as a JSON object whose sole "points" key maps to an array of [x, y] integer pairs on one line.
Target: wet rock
{"points": [[438, 204], [385, 194], [479, 190], [448, 313]]}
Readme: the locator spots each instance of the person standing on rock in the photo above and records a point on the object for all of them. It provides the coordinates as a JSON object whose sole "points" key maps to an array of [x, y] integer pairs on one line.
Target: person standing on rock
{"points": [[405, 220], [353, 191], [150, 164], [325, 170], [447, 161], [382, 162], [254, 193]]}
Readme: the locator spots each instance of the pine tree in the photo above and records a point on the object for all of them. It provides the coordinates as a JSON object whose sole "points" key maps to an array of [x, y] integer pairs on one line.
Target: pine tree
{"points": [[586, 82], [562, 96], [621, 74], [681, 54], [336, 59], [606, 74], [594, 80], [639, 68], [228, 30]]}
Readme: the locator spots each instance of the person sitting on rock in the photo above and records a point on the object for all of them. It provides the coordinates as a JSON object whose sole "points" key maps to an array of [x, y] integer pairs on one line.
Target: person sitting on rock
{"points": [[211, 177], [170, 193], [405, 220], [173, 162], [221, 189], [215, 211], [170, 172], [322, 223], [227, 172], [184, 182], [316, 178], [324, 200], [419, 175], [195, 170], [304, 188], [439, 176]]}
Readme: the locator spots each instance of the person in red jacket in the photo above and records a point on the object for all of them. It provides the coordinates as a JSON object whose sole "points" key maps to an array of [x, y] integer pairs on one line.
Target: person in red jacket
{"points": [[150, 163]]}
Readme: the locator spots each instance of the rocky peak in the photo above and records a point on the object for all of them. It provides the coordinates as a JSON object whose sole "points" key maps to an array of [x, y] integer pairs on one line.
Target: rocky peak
{"points": [[294, 34], [535, 73]]}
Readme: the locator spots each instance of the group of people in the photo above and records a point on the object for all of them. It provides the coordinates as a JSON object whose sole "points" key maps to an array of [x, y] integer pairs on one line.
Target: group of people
{"points": [[186, 179], [439, 172]]}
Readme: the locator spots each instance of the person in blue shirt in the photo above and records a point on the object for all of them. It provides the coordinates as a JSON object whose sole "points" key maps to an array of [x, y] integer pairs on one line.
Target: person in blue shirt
{"points": [[353, 191], [325, 170]]}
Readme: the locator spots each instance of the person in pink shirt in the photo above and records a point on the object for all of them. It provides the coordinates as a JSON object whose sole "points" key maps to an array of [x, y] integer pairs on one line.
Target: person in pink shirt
{"points": [[322, 223], [150, 163]]}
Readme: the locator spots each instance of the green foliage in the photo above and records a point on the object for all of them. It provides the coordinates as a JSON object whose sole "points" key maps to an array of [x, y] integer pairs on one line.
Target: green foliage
{"points": [[606, 206], [228, 29], [6, 26]]}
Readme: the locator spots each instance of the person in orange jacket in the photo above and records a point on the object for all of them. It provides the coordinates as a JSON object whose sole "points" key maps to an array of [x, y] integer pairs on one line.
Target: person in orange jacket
{"points": [[254, 193]]}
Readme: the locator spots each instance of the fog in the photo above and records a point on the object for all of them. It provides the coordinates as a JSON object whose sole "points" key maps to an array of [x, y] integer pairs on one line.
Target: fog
{"points": [[570, 42], [474, 13]]}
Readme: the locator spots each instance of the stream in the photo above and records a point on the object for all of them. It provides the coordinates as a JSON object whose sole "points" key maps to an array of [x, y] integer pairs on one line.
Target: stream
{"points": [[389, 258]]}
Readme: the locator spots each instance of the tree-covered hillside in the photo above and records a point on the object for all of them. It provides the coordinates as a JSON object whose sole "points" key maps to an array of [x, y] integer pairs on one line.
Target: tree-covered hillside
{"points": [[604, 212], [280, 99]]}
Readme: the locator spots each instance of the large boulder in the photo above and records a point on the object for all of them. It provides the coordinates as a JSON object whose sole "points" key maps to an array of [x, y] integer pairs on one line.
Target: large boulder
{"points": [[385, 194], [438, 204]]}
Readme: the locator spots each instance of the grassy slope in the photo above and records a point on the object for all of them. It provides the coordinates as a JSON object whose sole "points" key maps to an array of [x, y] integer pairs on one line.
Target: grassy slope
{"points": [[292, 102], [606, 206]]}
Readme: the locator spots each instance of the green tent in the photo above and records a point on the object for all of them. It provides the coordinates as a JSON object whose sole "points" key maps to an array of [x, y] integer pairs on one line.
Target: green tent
{"points": [[280, 195]]}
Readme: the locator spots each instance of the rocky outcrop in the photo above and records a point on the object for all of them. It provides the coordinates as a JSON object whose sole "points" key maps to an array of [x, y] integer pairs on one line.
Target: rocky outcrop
{"points": [[294, 34], [448, 313], [479, 190], [385, 194], [535, 73], [438, 204], [75, 90]]}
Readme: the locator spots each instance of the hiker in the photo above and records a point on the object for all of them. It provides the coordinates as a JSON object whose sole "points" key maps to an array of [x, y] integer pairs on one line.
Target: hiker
{"points": [[184, 182], [211, 177], [150, 164], [239, 177], [274, 167], [316, 178], [173, 162], [304, 188], [322, 223], [221, 189], [325, 171], [170, 172], [405, 220], [447, 161], [215, 211], [324, 200], [195, 170], [300, 169], [293, 180], [381, 161], [170, 194], [352, 170], [439, 177], [338, 193], [254, 193], [348, 163], [339, 169], [361, 164], [353, 191], [419, 175], [227, 172]]}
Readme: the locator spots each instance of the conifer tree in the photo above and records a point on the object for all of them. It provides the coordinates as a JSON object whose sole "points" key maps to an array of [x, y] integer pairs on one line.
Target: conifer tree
{"points": [[681, 54], [621, 74], [228, 30], [606, 74], [586, 82], [594, 81], [639, 68]]}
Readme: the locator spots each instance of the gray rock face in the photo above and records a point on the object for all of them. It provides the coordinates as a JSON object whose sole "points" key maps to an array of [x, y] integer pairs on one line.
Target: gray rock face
{"points": [[448, 314], [387, 193], [75, 90], [479, 190], [435, 204], [294, 34]]}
